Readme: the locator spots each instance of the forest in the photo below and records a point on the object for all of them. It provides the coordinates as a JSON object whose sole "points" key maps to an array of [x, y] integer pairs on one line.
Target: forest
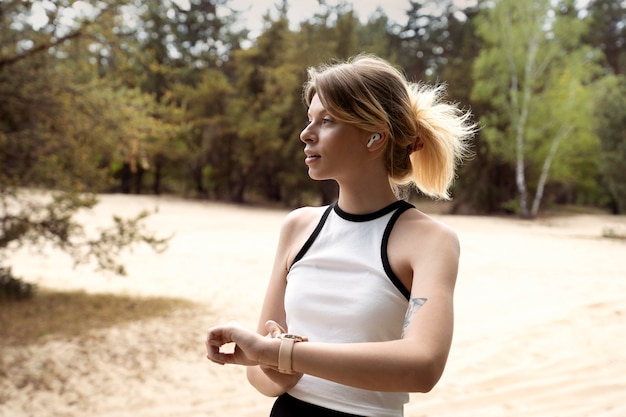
{"points": [[175, 97], [165, 97]]}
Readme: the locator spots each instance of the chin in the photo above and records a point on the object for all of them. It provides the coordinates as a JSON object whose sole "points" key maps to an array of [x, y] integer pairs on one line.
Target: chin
{"points": [[318, 177]]}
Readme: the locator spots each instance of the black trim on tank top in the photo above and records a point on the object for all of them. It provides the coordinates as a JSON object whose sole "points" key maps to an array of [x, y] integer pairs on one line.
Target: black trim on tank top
{"points": [[404, 206], [313, 236], [400, 206], [368, 216]]}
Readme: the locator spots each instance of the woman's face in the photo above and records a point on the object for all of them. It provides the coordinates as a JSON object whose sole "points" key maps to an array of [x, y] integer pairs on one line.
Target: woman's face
{"points": [[333, 149]]}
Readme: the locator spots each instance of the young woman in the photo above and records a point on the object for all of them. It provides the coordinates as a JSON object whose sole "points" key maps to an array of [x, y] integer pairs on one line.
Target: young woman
{"points": [[359, 307]]}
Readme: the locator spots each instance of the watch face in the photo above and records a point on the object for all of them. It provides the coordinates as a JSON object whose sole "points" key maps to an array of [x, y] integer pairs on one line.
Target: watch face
{"points": [[291, 336]]}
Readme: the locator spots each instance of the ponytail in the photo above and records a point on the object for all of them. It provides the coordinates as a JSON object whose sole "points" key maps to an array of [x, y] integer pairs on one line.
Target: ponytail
{"points": [[443, 132]]}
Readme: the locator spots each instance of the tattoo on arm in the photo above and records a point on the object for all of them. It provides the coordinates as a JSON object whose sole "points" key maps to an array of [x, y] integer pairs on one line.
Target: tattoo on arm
{"points": [[414, 305]]}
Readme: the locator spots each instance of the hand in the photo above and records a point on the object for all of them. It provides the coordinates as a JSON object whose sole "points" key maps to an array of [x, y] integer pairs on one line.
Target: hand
{"points": [[284, 381], [248, 349], [274, 329]]}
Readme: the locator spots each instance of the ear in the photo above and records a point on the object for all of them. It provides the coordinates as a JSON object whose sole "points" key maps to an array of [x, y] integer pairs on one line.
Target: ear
{"points": [[417, 146]]}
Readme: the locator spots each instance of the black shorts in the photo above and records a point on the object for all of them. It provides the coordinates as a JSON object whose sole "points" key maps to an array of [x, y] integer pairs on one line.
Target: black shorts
{"points": [[288, 406]]}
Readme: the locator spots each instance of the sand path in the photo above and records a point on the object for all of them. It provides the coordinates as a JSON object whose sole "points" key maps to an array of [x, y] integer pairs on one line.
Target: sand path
{"points": [[540, 320]]}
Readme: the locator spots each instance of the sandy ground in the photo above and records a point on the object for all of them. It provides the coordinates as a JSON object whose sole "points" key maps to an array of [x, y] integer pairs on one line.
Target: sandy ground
{"points": [[540, 320]]}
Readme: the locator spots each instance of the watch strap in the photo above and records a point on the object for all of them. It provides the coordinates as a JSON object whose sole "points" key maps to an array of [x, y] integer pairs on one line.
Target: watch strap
{"points": [[285, 353]]}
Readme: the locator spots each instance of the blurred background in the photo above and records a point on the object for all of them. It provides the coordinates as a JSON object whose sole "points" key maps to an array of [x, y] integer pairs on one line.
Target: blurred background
{"points": [[112, 107], [202, 98]]}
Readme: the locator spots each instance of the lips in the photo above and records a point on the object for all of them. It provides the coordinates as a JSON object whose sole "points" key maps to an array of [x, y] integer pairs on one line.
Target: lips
{"points": [[311, 157]]}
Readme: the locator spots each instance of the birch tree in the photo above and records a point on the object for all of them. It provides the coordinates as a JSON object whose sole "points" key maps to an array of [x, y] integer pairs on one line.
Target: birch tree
{"points": [[532, 73]]}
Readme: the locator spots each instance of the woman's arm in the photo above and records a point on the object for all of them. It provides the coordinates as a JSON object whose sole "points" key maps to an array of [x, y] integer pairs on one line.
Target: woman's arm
{"points": [[414, 363], [294, 231]]}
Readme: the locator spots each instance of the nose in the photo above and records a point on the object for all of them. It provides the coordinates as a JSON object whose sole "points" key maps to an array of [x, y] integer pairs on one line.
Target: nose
{"points": [[307, 134]]}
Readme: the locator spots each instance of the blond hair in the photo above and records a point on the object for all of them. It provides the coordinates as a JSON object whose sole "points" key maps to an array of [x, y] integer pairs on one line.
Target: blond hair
{"points": [[373, 95]]}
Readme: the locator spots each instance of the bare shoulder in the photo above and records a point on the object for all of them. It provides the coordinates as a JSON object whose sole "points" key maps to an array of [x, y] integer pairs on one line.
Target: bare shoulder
{"points": [[423, 246], [301, 218], [296, 229], [423, 228]]}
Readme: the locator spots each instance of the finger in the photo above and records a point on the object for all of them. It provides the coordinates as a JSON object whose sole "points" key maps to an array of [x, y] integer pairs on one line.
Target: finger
{"points": [[216, 356], [214, 360], [213, 351], [274, 329], [218, 352], [216, 338]]}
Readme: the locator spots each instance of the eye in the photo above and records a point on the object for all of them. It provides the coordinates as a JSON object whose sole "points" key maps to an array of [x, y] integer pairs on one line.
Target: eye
{"points": [[326, 120]]}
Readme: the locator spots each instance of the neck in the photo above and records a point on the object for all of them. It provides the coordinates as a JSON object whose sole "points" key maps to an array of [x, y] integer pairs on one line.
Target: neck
{"points": [[365, 197], [366, 188]]}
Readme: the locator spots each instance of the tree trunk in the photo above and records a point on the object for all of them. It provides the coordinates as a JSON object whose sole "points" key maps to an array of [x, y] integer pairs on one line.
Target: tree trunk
{"points": [[521, 110], [543, 178]]}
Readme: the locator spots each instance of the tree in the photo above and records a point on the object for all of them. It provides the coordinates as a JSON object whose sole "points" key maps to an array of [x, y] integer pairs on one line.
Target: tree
{"points": [[166, 48], [205, 144], [377, 36], [161, 43], [268, 82], [533, 73], [482, 179], [429, 40], [609, 125], [607, 31], [57, 126]]}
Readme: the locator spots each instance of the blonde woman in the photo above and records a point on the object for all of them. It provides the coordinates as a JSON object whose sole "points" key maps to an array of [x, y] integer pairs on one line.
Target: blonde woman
{"points": [[359, 306]]}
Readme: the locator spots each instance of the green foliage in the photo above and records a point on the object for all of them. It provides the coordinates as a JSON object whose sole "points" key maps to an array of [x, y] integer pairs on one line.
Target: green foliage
{"points": [[607, 20], [174, 44], [268, 86], [196, 150], [61, 129], [37, 219], [536, 78], [162, 97], [610, 113]]}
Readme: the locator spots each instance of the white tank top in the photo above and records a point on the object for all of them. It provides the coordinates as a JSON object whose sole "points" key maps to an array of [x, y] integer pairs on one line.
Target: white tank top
{"points": [[341, 289]]}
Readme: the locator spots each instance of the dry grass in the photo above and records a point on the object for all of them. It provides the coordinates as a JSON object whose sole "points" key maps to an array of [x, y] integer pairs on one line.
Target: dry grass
{"points": [[51, 314]]}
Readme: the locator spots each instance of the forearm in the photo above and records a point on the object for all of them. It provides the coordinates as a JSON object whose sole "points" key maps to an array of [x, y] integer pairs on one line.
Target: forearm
{"points": [[386, 366], [269, 382], [405, 365], [412, 364]]}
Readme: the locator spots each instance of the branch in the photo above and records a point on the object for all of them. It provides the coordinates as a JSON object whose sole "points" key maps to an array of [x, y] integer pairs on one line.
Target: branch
{"points": [[39, 48], [44, 47]]}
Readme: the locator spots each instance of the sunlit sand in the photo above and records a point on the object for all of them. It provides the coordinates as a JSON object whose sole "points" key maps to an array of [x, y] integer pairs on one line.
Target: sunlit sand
{"points": [[540, 320]]}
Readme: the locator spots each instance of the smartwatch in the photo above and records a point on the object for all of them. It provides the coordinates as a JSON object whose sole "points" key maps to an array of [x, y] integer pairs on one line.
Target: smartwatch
{"points": [[285, 352]]}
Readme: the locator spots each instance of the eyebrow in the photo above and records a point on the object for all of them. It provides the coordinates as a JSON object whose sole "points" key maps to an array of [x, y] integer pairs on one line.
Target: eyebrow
{"points": [[322, 111]]}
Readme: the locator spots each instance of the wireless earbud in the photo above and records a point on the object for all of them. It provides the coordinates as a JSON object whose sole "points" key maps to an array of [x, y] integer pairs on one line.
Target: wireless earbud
{"points": [[374, 138]]}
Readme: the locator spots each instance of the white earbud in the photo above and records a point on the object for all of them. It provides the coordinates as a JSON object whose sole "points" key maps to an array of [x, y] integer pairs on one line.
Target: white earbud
{"points": [[374, 138]]}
